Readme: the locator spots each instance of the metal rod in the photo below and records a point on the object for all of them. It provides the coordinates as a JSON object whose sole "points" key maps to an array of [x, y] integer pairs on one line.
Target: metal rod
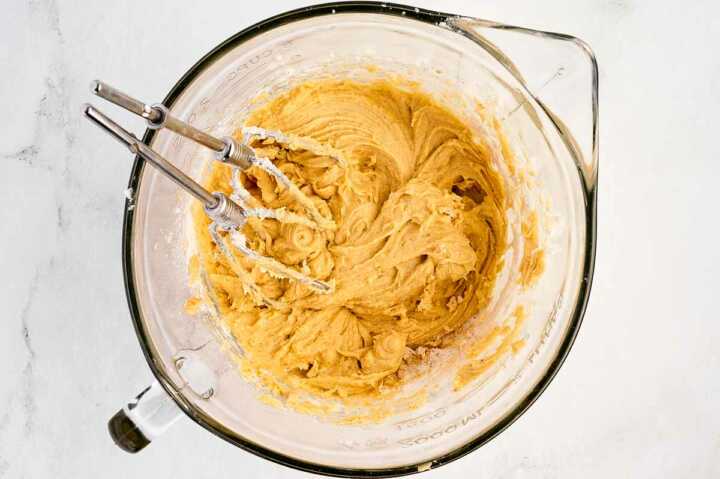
{"points": [[192, 133], [147, 153], [109, 126], [157, 116], [113, 95]]}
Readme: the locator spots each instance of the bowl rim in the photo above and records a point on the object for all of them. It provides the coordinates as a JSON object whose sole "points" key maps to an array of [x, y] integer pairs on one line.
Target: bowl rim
{"points": [[207, 422]]}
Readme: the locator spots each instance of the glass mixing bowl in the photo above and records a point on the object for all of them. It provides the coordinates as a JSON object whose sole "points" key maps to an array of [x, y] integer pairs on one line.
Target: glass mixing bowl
{"points": [[543, 89]]}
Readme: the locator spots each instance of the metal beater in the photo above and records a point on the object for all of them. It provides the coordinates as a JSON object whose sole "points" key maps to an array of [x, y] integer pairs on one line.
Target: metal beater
{"points": [[227, 214]]}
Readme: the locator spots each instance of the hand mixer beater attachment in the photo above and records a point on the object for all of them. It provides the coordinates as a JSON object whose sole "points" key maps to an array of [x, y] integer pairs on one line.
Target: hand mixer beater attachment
{"points": [[227, 214]]}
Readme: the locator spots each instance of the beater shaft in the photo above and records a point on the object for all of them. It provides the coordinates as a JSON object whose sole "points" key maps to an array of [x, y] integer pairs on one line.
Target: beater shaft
{"points": [[119, 98], [217, 205], [158, 116]]}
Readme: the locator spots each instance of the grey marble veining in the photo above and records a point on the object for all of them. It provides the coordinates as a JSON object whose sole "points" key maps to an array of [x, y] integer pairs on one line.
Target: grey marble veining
{"points": [[638, 396]]}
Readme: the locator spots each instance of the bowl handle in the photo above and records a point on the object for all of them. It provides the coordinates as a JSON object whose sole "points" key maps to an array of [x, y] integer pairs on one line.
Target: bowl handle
{"points": [[559, 71], [143, 419]]}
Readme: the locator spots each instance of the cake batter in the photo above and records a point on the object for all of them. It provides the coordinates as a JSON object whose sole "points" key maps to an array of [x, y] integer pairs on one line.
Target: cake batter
{"points": [[418, 236]]}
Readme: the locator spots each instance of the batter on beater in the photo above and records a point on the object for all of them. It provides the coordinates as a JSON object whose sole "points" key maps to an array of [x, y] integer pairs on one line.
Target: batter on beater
{"points": [[419, 215]]}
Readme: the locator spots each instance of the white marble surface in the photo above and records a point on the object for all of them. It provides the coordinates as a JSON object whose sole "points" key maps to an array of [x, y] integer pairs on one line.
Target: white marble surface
{"points": [[639, 394]]}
